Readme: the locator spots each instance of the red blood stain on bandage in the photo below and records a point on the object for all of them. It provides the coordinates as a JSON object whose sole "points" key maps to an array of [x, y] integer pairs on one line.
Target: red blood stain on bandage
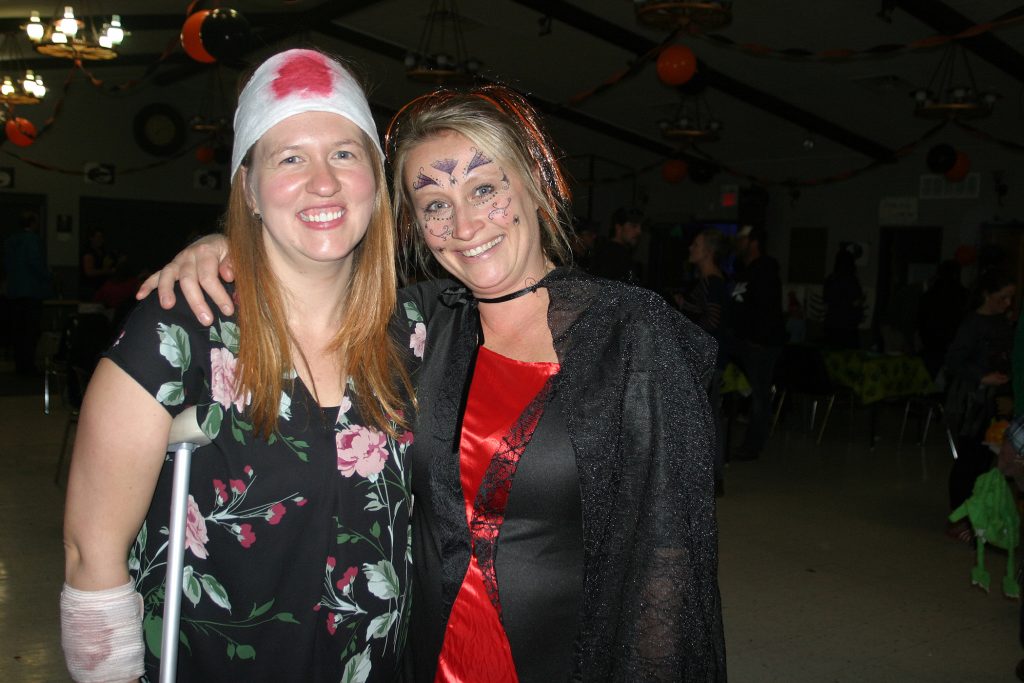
{"points": [[305, 76]]}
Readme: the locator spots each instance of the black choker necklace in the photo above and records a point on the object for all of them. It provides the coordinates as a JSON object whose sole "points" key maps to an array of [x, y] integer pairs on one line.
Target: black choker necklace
{"points": [[514, 295]]}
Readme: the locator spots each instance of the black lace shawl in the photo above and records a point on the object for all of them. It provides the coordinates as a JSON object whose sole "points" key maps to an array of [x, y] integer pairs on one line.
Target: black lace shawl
{"points": [[631, 393]]}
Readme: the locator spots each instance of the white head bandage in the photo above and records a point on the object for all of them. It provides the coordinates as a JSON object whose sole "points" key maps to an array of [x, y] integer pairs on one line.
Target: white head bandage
{"points": [[293, 82]]}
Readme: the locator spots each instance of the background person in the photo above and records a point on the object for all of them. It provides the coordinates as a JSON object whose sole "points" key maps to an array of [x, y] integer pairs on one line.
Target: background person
{"points": [[755, 317], [291, 575], [978, 370], [613, 257]]}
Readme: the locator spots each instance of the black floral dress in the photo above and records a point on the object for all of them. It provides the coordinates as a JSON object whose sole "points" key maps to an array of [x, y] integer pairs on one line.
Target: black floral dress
{"points": [[297, 556]]}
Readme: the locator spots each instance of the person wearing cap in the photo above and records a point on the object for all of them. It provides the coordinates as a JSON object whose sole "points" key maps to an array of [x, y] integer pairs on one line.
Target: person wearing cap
{"points": [[613, 258], [756, 321], [297, 558]]}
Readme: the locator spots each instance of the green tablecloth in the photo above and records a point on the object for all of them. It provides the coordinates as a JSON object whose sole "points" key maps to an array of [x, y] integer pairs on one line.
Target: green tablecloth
{"points": [[874, 377]]}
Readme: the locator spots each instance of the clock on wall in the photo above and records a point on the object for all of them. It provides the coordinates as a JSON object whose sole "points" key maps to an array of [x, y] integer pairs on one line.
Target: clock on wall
{"points": [[159, 129]]}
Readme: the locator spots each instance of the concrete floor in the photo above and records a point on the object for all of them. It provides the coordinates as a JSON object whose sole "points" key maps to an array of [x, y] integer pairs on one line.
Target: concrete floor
{"points": [[834, 565]]}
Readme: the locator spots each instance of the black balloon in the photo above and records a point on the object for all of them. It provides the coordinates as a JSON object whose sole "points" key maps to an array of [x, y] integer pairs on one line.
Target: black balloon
{"points": [[941, 158], [225, 34], [702, 172]]}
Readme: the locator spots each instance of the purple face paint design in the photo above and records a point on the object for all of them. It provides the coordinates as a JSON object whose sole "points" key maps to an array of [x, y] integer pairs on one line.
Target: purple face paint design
{"points": [[442, 233], [422, 180], [499, 210], [447, 166], [479, 159], [515, 220], [504, 180]]}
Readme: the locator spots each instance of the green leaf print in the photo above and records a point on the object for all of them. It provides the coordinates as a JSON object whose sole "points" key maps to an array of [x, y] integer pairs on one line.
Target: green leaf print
{"points": [[171, 393], [374, 503], [284, 409], [262, 609], [412, 312], [152, 628], [357, 669], [216, 591], [286, 617], [214, 418], [229, 335], [382, 580], [375, 530], [174, 345], [190, 586], [245, 652], [380, 625]]}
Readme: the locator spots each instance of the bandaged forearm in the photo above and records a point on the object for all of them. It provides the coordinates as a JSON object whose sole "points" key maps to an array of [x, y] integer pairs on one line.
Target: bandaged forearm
{"points": [[101, 633]]}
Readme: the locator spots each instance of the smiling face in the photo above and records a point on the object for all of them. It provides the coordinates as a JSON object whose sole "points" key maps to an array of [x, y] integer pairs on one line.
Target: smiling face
{"points": [[311, 179], [474, 215]]}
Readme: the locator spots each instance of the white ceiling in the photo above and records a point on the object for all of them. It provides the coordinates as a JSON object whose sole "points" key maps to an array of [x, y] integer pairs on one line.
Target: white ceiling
{"points": [[833, 103]]}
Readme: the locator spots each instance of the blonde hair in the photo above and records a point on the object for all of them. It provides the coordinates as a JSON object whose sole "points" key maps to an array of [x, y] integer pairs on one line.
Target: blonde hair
{"points": [[499, 121], [362, 343]]}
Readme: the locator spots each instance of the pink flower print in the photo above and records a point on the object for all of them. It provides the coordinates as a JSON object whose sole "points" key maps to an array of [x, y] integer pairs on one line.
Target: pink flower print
{"points": [[405, 438], [222, 383], [300, 501], [248, 470], [361, 451], [195, 530], [418, 340], [331, 564], [276, 513], [221, 490], [118, 340], [332, 623], [246, 536], [237, 486], [346, 580]]}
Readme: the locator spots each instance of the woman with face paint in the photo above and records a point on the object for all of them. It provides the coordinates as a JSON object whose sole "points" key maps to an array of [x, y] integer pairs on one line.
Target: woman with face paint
{"points": [[297, 565], [564, 524]]}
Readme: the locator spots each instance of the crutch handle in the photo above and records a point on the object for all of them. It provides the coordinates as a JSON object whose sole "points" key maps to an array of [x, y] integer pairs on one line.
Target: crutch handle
{"points": [[185, 437]]}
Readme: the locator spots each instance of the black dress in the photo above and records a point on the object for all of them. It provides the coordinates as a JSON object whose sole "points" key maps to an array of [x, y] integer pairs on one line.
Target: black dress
{"points": [[628, 413], [297, 547]]}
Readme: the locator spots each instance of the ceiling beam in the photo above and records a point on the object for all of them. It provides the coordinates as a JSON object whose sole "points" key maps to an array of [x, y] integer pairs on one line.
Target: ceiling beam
{"points": [[947, 21], [615, 34]]}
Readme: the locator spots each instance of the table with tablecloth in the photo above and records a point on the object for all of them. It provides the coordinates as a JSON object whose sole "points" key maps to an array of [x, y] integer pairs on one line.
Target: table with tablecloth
{"points": [[877, 376]]}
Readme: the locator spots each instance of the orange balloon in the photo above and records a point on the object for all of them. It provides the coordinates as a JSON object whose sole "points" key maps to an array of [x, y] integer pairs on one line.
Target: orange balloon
{"points": [[20, 132], [961, 167], [676, 65], [674, 171], [192, 39]]}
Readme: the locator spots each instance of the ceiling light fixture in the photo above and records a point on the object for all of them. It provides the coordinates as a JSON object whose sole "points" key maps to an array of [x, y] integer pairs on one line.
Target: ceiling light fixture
{"points": [[693, 122], [688, 14], [952, 91], [71, 37], [24, 87], [441, 56]]}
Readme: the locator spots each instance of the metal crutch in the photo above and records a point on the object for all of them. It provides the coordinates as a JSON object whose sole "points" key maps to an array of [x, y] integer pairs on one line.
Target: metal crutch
{"points": [[185, 437]]}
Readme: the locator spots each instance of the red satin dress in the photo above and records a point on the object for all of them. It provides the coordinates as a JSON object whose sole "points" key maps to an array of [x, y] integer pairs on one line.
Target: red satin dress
{"points": [[476, 648]]}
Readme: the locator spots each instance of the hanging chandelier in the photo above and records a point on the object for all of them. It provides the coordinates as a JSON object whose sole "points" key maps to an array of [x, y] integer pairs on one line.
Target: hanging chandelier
{"points": [[24, 86], [952, 91], [691, 15], [692, 122], [70, 37], [441, 56]]}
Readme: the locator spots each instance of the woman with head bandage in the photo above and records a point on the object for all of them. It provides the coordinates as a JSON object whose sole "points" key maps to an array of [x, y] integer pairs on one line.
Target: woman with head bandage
{"points": [[297, 562]]}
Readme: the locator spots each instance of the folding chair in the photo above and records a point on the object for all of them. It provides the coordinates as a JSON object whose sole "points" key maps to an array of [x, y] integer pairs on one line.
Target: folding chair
{"points": [[185, 437]]}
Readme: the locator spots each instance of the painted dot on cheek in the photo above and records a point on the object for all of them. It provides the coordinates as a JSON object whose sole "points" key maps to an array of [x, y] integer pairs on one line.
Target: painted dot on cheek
{"points": [[515, 220]]}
